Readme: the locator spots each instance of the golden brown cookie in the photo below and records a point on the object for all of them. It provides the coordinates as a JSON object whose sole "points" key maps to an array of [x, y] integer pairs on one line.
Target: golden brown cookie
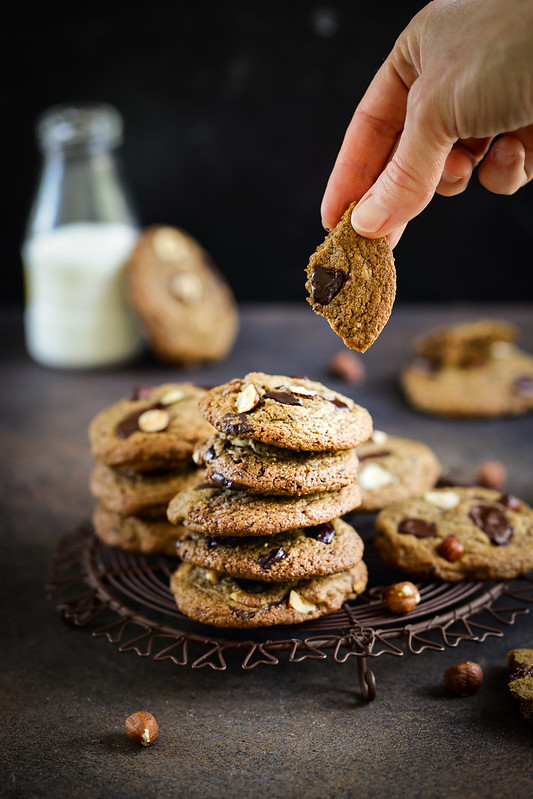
{"points": [[138, 492], [472, 370], [309, 552], [223, 601], [186, 306], [156, 428], [393, 468], [219, 511], [248, 465], [135, 533], [352, 282], [455, 533], [287, 412], [521, 679]]}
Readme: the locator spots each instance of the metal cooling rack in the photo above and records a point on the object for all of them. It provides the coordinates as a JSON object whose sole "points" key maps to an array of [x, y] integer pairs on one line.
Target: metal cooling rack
{"points": [[125, 598]]}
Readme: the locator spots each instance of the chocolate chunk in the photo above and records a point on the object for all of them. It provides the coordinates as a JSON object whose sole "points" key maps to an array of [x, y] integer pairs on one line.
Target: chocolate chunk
{"points": [[493, 522], [274, 556], [285, 397], [418, 528], [211, 454], [338, 403], [224, 541], [326, 284], [382, 453], [130, 424], [510, 501], [321, 532], [523, 385], [521, 671], [236, 424], [223, 482], [244, 614], [252, 586]]}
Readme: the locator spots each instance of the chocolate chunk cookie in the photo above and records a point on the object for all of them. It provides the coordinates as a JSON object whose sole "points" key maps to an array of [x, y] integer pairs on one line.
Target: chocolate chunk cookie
{"points": [[139, 493], [186, 306], [521, 680], [352, 282], [393, 468], [135, 533], [257, 468], [472, 370], [156, 428], [287, 412], [455, 533], [223, 601], [218, 511], [309, 552]]}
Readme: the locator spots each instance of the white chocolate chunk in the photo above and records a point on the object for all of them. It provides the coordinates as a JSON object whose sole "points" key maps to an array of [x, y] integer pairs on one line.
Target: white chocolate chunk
{"points": [[171, 396], [379, 437], [442, 499], [187, 288], [375, 476], [170, 245]]}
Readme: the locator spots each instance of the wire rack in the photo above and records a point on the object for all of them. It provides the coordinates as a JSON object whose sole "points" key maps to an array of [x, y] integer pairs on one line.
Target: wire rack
{"points": [[125, 598]]}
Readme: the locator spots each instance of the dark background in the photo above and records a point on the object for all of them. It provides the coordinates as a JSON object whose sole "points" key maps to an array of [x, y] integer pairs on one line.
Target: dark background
{"points": [[234, 113]]}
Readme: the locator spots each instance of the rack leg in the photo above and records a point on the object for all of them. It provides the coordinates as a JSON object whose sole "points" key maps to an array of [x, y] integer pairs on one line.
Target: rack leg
{"points": [[367, 680]]}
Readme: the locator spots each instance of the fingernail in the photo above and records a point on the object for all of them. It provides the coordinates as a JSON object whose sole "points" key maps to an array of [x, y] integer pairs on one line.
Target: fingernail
{"points": [[451, 178], [503, 157], [370, 215]]}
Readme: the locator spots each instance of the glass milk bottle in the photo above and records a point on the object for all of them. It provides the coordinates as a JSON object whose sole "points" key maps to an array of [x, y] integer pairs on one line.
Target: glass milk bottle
{"points": [[80, 232]]}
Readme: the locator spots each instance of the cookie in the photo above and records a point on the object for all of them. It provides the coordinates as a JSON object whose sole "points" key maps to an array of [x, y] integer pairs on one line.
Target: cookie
{"points": [[135, 533], [521, 679], [287, 412], [257, 468], [470, 370], [218, 511], [225, 601], [187, 308], [352, 282], [393, 468], [156, 428], [457, 532], [137, 493], [309, 552]]}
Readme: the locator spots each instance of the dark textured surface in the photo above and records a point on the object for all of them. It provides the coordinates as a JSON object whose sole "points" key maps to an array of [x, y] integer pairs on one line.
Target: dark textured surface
{"points": [[234, 114], [294, 730]]}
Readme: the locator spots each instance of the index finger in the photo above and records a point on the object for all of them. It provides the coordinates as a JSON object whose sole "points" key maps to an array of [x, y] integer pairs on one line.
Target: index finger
{"points": [[368, 143]]}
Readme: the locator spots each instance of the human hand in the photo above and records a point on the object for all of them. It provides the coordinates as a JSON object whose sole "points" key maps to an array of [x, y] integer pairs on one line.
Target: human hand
{"points": [[460, 74]]}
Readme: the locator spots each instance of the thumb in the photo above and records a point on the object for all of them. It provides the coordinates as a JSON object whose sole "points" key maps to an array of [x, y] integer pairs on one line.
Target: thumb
{"points": [[409, 180]]}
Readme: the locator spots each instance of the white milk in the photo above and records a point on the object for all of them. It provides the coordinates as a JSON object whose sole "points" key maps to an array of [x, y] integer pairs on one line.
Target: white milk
{"points": [[76, 314]]}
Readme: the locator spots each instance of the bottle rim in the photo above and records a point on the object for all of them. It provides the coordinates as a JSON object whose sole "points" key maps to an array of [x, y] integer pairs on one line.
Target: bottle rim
{"points": [[98, 125]]}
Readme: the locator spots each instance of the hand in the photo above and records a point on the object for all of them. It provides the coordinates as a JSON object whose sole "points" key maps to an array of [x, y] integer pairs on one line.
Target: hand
{"points": [[460, 74]]}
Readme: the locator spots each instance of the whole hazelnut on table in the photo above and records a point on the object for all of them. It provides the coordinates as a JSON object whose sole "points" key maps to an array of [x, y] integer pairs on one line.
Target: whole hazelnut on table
{"points": [[401, 597], [141, 727], [464, 679], [347, 366], [491, 474]]}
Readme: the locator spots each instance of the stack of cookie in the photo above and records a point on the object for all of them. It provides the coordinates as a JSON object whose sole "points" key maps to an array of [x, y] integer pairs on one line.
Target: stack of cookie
{"points": [[265, 544], [143, 447]]}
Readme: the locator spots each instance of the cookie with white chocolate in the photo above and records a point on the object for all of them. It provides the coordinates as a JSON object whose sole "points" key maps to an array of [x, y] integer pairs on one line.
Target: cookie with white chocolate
{"points": [[186, 306], [458, 533], [220, 600]]}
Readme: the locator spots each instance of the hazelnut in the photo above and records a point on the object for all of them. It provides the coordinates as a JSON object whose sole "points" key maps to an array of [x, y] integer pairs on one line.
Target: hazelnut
{"points": [[464, 679], [347, 366], [247, 399], [450, 549], [154, 420], [141, 727], [401, 597], [297, 602], [491, 474]]}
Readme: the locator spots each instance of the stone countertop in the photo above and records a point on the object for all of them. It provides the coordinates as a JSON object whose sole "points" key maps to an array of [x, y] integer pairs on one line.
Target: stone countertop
{"points": [[293, 730]]}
